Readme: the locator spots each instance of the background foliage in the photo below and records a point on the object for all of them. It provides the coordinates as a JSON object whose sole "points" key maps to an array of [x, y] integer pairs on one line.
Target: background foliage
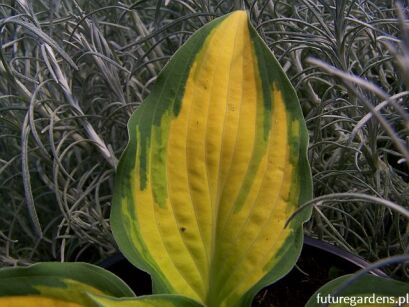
{"points": [[72, 72]]}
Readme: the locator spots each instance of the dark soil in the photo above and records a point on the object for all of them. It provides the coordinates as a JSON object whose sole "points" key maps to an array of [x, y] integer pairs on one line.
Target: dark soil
{"points": [[314, 268]]}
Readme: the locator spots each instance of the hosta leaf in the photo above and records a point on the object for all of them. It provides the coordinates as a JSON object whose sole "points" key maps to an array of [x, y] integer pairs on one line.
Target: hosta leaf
{"points": [[368, 291], [58, 284], [215, 165], [36, 301], [162, 300]]}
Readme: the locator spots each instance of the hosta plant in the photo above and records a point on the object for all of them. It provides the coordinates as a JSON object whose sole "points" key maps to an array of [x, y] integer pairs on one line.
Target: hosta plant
{"points": [[215, 166]]}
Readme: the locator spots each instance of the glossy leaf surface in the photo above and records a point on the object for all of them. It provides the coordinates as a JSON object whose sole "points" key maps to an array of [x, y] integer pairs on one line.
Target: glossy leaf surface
{"points": [[58, 284], [215, 165]]}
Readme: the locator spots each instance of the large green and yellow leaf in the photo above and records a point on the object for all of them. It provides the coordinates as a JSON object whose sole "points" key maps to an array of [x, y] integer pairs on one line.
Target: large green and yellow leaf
{"points": [[215, 165], [58, 284], [367, 291]]}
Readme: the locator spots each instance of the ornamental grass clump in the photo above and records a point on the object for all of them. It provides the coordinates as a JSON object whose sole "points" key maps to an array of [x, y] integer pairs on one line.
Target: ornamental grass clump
{"points": [[208, 191], [215, 165]]}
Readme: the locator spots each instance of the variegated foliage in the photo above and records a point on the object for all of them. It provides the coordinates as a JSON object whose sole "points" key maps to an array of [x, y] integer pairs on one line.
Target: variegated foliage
{"points": [[215, 165]]}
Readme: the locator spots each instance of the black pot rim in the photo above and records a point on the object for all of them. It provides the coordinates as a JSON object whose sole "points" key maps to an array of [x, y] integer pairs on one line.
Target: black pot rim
{"points": [[332, 249]]}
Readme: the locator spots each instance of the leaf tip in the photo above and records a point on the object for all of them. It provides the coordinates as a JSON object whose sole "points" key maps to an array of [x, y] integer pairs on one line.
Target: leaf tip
{"points": [[240, 15]]}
